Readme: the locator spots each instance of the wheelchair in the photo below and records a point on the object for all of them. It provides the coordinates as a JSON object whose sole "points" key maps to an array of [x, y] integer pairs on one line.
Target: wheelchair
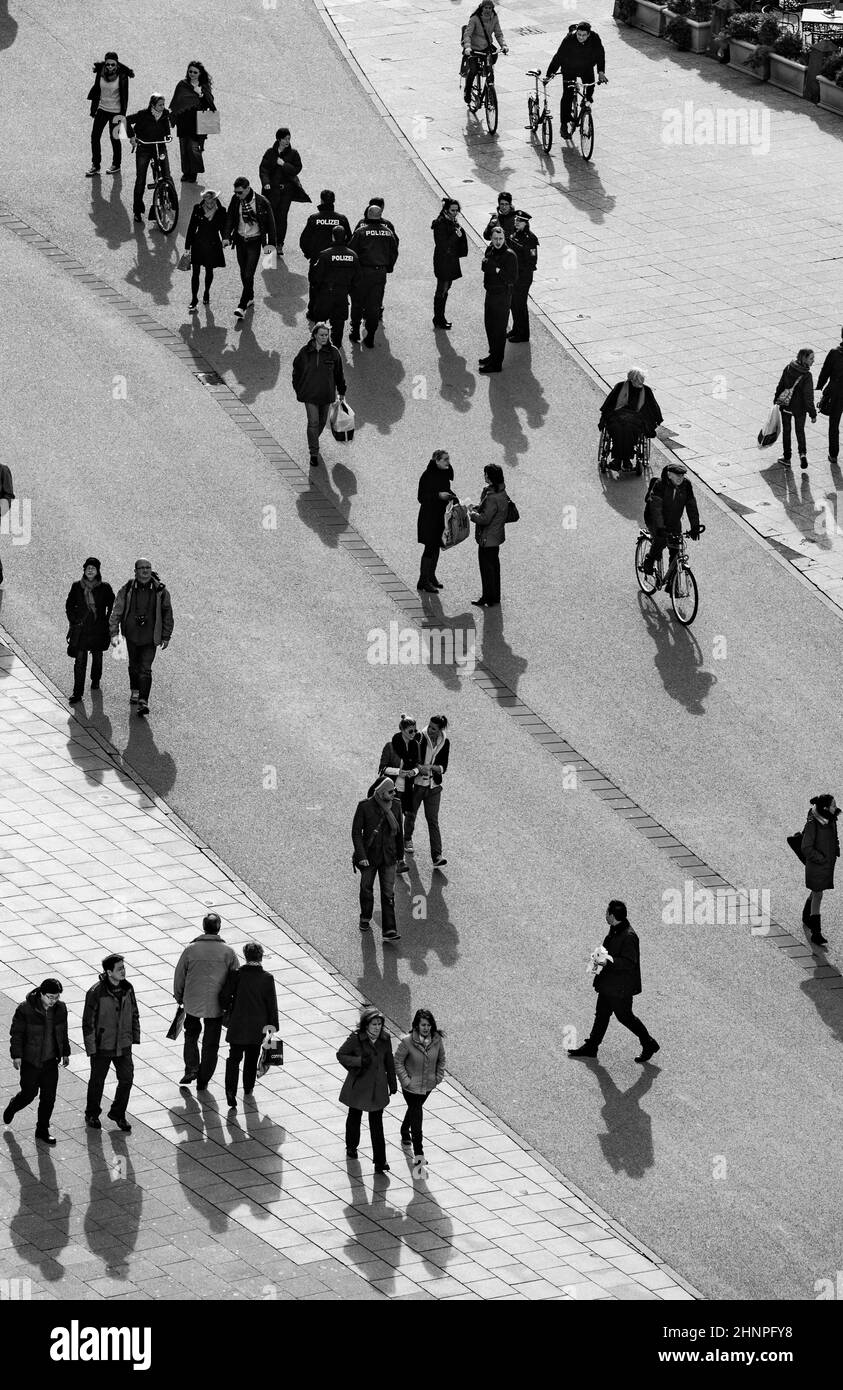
{"points": [[641, 459]]}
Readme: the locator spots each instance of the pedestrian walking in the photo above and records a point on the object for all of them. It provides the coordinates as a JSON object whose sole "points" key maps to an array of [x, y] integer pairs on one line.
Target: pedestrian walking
{"points": [[252, 1013], [420, 1067], [333, 276], [500, 273], [109, 98], [88, 606], [147, 129], [249, 226], [794, 396], [450, 246], [376, 243], [279, 177], [617, 983], [489, 519], [831, 380], [7, 497], [399, 760], [37, 1043], [378, 840], [318, 236], [478, 37], [205, 232], [202, 973], [525, 244], [504, 216], [367, 1056], [820, 850], [434, 750], [143, 613], [194, 92], [318, 378], [434, 494], [110, 1028]]}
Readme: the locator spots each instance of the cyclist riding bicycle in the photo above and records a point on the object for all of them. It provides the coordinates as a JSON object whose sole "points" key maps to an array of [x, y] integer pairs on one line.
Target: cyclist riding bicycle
{"points": [[477, 36], [579, 53], [668, 498]]}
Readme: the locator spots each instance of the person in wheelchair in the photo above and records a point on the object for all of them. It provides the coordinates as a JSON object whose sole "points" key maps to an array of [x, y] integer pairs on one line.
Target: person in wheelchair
{"points": [[477, 37], [669, 498], [629, 411]]}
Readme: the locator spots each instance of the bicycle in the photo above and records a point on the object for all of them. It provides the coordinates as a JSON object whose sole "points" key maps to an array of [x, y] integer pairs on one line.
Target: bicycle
{"points": [[538, 112], [580, 117], [678, 579], [165, 199], [483, 88]]}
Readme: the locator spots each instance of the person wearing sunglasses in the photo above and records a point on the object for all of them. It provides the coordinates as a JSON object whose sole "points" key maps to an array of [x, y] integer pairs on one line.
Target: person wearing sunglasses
{"points": [[109, 98], [669, 498]]}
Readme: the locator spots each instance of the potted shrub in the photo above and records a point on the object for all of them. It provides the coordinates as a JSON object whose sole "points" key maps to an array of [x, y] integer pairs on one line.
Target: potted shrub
{"points": [[830, 82], [688, 24], [649, 17], [741, 33], [788, 57], [624, 11]]}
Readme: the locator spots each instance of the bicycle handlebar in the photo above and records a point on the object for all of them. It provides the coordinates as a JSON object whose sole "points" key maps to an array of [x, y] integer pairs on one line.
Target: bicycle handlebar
{"points": [[677, 535], [165, 141]]}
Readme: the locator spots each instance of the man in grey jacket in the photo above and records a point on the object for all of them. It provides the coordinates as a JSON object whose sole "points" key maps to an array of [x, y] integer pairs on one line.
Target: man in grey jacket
{"points": [[202, 971]]}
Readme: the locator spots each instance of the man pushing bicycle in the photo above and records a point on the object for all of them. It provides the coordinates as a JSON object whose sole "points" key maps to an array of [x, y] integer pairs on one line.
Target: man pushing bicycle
{"points": [[578, 55]]}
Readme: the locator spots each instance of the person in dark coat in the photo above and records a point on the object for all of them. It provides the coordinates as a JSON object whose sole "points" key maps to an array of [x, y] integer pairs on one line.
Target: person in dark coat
{"points": [[203, 240], [37, 1042], [434, 493], [250, 225], [376, 243], [434, 752], [88, 607], [333, 276], [820, 850], [617, 984], [367, 1057], [378, 839], [670, 497], [318, 378], [7, 497], [193, 93], [109, 98], [279, 176], [629, 410], [399, 760], [148, 130], [795, 397], [318, 235], [504, 217], [578, 55], [110, 1028], [489, 519], [500, 272], [525, 244], [450, 246], [143, 613], [253, 1012], [831, 376]]}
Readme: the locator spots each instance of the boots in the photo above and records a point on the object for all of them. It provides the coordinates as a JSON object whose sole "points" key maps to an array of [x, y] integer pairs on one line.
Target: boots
{"points": [[587, 1050], [806, 911], [426, 583], [815, 927]]}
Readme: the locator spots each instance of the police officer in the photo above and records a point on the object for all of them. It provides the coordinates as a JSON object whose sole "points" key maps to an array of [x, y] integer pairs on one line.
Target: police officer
{"points": [[333, 276], [504, 217], [526, 248], [317, 236], [376, 243], [500, 273]]}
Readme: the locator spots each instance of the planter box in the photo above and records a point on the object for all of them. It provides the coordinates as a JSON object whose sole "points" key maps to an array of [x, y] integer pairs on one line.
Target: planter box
{"points": [[700, 35], [831, 96], [739, 54], [649, 17], [788, 75]]}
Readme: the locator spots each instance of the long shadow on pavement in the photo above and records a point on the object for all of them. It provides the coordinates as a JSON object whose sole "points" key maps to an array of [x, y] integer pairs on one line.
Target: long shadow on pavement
{"points": [[431, 934], [42, 1213], [115, 1204], [8, 26], [515, 392], [627, 1143], [373, 385], [456, 383], [679, 658], [381, 984], [156, 262], [495, 652], [287, 295], [256, 369], [111, 218]]}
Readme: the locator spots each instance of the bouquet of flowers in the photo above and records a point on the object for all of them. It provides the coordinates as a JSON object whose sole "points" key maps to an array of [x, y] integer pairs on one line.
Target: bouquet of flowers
{"points": [[598, 958]]}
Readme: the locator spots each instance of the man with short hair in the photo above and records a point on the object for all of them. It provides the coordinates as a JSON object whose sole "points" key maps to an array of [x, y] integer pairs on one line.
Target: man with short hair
{"points": [[617, 982], [333, 276], [832, 377], [110, 1026], [37, 1040], [668, 499], [578, 55], [144, 614], [504, 217], [378, 838], [318, 236], [376, 243], [201, 974], [279, 172], [526, 247], [500, 274], [250, 224]]}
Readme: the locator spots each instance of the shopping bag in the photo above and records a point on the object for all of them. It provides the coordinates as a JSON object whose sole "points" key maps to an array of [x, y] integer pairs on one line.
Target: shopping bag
{"points": [[272, 1053], [177, 1024], [118, 128], [456, 524], [184, 260], [342, 421], [771, 429], [269, 258], [795, 842], [207, 122]]}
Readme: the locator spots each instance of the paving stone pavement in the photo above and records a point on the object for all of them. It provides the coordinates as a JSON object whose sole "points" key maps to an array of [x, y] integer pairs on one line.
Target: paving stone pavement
{"points": [[259, 1203], [707, 266]]}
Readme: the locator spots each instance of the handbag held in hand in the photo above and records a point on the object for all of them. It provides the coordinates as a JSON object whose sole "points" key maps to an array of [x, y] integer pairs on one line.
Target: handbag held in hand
{"points": [[177, 1024], [207, 122], [456, 527], [272, 1053]]}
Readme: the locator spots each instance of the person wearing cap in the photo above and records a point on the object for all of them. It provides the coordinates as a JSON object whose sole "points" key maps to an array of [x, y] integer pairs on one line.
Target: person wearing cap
{"points": [[367, 1057], [110, 1028], [500, 273], [109, 98], [578, 55], [378, 839], [143, 613], [333, 276], [629, 411], [203, 240], [375, 241], [37, 1043], [88, 607], [669, 498], [503, 217], [450, 246], [146, 129], [526, 247], [831, 377], [478, 35], [318, 236], [201, 977]]}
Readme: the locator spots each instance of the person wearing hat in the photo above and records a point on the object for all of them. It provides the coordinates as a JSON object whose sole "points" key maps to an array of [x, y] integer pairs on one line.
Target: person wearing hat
{"points": [[629, 410], [526, 247], [367, 1057], [669, 498], [375, 241], [318, 378], [333, 275], [144, 614], [109, 98], [831, 378], [578, 55], [503, 217], [500, 273], [148, 129], [203, 240], [37, 1042], [378, 838], [110, 1027], [88, 607], [201, 977]]}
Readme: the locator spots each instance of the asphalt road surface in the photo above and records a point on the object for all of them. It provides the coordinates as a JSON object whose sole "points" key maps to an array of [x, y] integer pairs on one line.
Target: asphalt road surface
{"points": [[724, 1157]]}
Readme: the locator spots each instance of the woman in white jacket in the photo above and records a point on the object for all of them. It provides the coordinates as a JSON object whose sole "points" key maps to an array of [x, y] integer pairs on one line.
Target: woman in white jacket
{"points": [[419, 1066], [481, 29]]}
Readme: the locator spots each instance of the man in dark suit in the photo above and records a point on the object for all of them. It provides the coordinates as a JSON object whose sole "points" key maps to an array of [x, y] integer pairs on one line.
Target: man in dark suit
{"points": [[617, 983]]}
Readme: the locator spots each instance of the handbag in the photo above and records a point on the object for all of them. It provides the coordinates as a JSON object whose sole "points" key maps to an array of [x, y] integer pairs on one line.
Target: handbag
{"points": [[512, 513], [795, 842], [207, 122], [770, 430], [272, 1053], [456, 526], [269, 258], [177, 1024], [784, 397], [342, 421], [74, 632], [824, 406], [184, 261]]}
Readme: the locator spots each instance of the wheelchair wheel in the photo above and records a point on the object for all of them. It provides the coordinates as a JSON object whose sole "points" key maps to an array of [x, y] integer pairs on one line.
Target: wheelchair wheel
{"points": [[490, 103], [586, 134], [604, 449], [547, 133], [642, 457], [532, 114], [165, 205], [646, 582], [476, 94], [684, 596]]}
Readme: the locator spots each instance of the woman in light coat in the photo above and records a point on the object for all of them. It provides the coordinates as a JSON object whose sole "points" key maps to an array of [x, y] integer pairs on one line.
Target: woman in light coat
{"points": [[490, 533], [420, 1066]]}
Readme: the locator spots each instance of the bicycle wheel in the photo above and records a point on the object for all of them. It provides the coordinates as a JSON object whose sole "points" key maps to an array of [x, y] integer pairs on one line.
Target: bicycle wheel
{"points": [[490, 102], [165, 205], [587, 134], [684, 596], [476, 94], [547, 132], [533, 114], [646, 582]]}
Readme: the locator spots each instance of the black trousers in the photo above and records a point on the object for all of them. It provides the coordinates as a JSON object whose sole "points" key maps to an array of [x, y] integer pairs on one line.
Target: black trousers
{"points": [[195, 272], [249, 1055], [520, 314], [37, 1081], [98, 125], [124, 1069], [797, 422], [429, 561], [191, 149], [440, 296], [567, 103], [622, 1009], [496, 318], [279, 200], [488, 558], [834, 414], [367, 299], [352, 1134], [141, 656], [144, 155], [248, 256], [204, 1068], [411, 1125], [80, 665]]}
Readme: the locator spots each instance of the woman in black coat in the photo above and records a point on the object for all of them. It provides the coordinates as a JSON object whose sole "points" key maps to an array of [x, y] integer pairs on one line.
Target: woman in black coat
{"points": [[193, 93], [797, 384], [433, 496], [450, 245], [367, 1057], [88, 607], [204, 242], [820, 850], [252, 1012]]}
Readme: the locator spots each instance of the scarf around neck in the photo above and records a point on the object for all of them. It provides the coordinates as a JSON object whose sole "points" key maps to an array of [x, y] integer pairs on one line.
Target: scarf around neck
{"points": [[88, 586], [625, 395]]}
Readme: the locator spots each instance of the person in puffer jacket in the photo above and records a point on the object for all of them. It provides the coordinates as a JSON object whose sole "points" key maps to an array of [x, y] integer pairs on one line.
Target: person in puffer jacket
{"points": [[110, 1028], [794, 396]]}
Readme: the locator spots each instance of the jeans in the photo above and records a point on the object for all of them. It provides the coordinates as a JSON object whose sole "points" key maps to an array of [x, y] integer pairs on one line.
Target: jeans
{"points": [[488, 558], [191, 149], [386, 874], [440, 296], [798, 423], [567, 103], [100, 121], [429, 797], [622, 1009], [496, 318], [317, 419], [205, 1069], [124, 1069], [141, 657], [367, 299], [249, 1053], [352, 1134], [144, 155], [520, 313], [195, 272], [33, 1080], [80, 666], [834, 414], [412, 1121], [248, 255]]}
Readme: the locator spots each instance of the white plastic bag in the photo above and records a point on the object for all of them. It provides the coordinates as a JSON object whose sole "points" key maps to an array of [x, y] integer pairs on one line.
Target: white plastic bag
{"points": [[769, 432], [270, 258], [342, 421]]}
